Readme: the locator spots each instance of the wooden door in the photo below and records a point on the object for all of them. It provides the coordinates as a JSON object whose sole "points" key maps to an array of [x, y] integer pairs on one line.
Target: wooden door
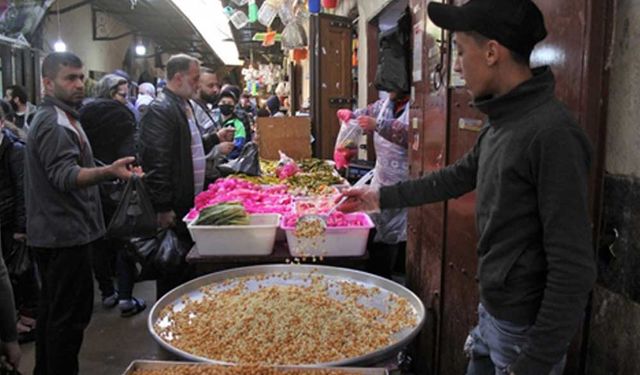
{"points": [[427, 153], [331, 81]]}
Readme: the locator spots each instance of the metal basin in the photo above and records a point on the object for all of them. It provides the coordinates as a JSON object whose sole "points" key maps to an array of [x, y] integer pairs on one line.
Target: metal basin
{"points": [[191, 290]]}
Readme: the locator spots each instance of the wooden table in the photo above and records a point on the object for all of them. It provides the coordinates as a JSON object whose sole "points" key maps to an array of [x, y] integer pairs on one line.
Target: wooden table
{"points": [[205, 264]]}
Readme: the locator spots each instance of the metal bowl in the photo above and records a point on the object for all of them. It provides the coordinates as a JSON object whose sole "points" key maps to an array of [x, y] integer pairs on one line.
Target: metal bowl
{"points": [[299, 274]]}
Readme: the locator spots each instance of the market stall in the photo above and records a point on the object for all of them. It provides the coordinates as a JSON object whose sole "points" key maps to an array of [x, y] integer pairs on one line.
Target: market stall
{"points": [[272, 204]]}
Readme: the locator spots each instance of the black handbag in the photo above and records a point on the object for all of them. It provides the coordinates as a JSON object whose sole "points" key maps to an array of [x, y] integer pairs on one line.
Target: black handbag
{"points": [[134, 216], [160, 255]]}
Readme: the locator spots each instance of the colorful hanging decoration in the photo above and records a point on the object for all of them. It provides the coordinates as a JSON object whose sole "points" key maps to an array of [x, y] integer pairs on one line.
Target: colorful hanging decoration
{"points": [[314, 6]]}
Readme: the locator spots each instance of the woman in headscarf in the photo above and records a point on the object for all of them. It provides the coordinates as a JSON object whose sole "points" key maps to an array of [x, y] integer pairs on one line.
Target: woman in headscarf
{"points": [[111, 129]]}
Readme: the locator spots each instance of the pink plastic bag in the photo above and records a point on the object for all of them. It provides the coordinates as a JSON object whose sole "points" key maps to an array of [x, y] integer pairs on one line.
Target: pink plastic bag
{"points": [[347, 143]]}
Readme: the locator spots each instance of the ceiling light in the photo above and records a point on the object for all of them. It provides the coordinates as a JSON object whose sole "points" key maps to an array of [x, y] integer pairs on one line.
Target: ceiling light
{"points": [[59, 46], [208, 18], [141, 50]]}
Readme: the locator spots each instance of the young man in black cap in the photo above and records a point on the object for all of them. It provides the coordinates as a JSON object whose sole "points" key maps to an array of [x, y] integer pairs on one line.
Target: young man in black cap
{"points": [[530, 169]]}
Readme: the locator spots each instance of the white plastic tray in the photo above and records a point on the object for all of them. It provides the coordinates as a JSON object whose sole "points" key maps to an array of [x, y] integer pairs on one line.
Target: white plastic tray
{"points": [[335, 242], [257, 238]]}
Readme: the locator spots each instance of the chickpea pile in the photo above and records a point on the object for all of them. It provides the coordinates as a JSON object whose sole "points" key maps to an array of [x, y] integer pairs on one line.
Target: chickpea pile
{"points": [[284, 324]]}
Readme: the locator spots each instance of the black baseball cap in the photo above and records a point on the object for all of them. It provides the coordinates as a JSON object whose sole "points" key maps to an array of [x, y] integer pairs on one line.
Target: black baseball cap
{"points": [[516, 24]]}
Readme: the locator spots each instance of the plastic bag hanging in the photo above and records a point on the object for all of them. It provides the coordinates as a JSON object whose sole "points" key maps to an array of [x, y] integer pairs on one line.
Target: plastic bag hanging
{"points": [[135, 216], [314, 6], [285, 12], [237, 17], [294, 36], [268, 12], [329, 4], [253, 11]]}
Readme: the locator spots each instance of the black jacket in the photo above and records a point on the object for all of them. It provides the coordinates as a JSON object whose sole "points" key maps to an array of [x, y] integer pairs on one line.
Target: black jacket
{"points": [[111, 129], [165, 153], [530, 170], [12, 209]]}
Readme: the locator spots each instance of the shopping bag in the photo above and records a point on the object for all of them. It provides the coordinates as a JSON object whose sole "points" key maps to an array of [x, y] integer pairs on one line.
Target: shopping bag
{"points": [[134, 216], [18, 259], [160, 255], [247, 163], [347, 143]]}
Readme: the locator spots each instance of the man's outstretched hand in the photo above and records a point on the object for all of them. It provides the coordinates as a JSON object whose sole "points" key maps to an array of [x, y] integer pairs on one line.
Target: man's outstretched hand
{"points": [[360, 199]]}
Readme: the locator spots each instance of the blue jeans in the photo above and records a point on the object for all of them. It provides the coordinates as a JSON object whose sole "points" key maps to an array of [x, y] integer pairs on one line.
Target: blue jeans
{"points": [[495, 344]]}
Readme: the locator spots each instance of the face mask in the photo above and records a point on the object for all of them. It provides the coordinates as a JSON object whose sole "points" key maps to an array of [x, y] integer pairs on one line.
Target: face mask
{"points": [[226, 109]]}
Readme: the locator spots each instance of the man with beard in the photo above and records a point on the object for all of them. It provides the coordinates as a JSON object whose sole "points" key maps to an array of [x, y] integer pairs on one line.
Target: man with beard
{"points": [[206, 99], [64, 215], [24, 110], [173, 152]]}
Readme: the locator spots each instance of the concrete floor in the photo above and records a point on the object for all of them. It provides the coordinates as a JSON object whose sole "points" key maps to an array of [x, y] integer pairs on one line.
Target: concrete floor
{"points": [[111, 342]]}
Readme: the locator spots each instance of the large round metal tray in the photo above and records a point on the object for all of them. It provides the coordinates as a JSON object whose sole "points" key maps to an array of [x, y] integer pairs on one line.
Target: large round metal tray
{"points": [[298, 275]]}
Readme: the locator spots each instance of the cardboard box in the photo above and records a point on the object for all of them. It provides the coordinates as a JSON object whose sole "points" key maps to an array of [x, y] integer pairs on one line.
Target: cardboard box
{"points": [[291, 135]]}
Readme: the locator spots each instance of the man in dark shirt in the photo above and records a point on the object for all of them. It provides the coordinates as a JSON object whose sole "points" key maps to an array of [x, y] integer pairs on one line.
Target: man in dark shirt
{"points": [[529, 168], [64, 215]]}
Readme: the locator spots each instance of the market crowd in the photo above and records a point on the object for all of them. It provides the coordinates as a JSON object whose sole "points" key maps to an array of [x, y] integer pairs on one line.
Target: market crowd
{"points": [[64, 166]]}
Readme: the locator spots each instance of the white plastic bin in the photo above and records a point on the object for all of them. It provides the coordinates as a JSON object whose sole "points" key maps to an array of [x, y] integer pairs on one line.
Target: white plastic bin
{"points": [[335, 242], [257, 238]]}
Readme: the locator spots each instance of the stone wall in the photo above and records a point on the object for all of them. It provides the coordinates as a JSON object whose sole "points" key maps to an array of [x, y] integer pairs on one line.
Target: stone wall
{"points": [[615, 327]]}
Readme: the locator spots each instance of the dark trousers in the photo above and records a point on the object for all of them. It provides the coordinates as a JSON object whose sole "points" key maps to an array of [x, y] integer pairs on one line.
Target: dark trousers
{"points": [[103, 260], [66, 303]]}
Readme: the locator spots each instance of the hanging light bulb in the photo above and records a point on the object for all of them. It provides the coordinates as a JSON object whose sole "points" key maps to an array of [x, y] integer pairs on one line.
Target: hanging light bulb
{"points": [[60, 46], [141, 50]]}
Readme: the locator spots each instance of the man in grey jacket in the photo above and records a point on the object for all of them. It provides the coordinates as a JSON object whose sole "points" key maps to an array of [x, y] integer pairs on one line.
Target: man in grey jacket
{"points": [[64, 215], [529, 168]]}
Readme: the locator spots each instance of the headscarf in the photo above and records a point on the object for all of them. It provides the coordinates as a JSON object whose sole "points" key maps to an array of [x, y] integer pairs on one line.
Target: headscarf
{"points": [[107, 86]]}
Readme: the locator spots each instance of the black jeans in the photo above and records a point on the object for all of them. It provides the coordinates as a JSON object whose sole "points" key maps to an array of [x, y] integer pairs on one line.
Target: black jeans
{"points": [[66, 304]]}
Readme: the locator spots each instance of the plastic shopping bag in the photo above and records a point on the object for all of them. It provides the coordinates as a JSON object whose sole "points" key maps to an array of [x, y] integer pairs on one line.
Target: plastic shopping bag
{"points": [[347, 143], [160, 255], [135, 216], [248, 162]]}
